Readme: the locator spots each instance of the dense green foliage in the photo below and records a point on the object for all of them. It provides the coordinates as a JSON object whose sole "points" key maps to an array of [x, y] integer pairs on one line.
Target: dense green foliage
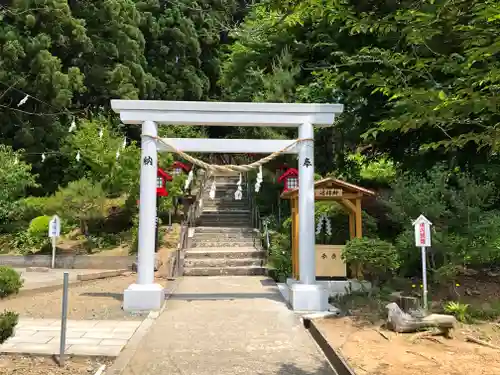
{"points": [[10, 281], [419, 81], [8, 321], [15, 178], [379, 259], [72, 57]]}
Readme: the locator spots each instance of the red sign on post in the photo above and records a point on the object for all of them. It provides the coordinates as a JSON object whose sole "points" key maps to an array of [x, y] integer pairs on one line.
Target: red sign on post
{"points": [[422, 233]]}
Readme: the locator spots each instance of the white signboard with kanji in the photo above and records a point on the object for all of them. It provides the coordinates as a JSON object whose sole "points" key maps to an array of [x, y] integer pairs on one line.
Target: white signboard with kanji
{"points": [[55, 227], [422, 231]]}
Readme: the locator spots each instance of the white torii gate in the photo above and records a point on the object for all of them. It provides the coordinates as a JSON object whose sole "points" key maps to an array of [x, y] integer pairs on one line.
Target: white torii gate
{"points": [[145, 294]]}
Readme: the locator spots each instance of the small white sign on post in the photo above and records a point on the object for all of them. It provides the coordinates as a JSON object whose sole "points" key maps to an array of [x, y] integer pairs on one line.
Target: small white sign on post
{"points": [[54, 233], [423, 240]]}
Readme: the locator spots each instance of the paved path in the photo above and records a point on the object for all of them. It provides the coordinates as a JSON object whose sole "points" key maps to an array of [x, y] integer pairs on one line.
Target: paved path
{"points": [[227, 325], [83, 337]]}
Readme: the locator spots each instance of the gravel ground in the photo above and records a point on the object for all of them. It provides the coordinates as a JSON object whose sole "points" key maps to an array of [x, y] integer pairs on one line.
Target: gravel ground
{"points": [[27, 365], [368, 352], [93, 300]]}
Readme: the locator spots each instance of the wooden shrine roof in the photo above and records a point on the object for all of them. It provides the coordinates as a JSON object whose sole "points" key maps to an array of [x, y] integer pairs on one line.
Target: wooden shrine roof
{"points": [[331, 183]]}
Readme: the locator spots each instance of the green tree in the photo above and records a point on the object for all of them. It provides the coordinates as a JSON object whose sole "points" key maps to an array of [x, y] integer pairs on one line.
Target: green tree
{"points": [[104, 157], [115, 66], [15, 179], [37, 42], [463, 211], [81, 201], [412, 76]]}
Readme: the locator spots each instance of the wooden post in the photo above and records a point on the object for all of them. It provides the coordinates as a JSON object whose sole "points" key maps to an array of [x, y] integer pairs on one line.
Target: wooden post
{"points": [[295, 238], [359, 234], [352, 228], [359, 218]]}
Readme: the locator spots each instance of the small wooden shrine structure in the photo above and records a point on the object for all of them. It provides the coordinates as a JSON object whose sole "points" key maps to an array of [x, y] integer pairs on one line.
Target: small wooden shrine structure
{"points": [[329, 263]]}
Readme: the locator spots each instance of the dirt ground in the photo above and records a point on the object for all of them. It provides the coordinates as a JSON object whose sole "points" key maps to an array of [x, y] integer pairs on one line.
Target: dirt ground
{"points": [[28, 365], [368, 352], [93, 300]]}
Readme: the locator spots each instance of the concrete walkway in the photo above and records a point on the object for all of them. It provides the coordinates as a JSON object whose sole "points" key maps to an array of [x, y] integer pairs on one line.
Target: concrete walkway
{"points": [[227, 325], [83, 337]]}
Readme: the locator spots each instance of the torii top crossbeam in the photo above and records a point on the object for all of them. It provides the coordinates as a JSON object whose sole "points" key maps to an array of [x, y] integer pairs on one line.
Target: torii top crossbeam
{"points": [[225, 113]]}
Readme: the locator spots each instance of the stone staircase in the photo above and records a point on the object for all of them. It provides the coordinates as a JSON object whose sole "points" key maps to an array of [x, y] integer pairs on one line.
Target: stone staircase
{"points": [[224, 242]]}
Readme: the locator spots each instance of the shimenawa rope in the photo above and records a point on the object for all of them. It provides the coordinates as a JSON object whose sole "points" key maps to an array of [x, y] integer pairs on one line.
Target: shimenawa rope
{"points": [[229, 167]]}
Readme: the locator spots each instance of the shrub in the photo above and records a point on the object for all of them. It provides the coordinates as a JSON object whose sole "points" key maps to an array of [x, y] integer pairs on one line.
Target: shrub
{"points": [[459, 310], [82, 200], [280, 256], [8, 321], [30, 207], [39, 226], [378, 258], [10, 281], [135, 235]]}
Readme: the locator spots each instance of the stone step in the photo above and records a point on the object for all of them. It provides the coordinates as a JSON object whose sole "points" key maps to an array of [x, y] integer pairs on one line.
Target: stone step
{"points": [[222, 243], [224, 236], [226, 183], [229, 199], [223, 262], [209, 206], [224, 191], [225, 199], [221, 218], [227, 179], [223, 230], [229, 253], [225, 223], [229, 215], [226, 271], [225, 210]]}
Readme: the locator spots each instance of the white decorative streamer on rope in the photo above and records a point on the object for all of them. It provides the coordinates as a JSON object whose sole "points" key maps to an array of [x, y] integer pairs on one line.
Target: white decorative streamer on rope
{"points": [[78, 156], [328, 225], [23, 100], [319, 225], [230, 167], [72, 126], [101, 133], [189, 179], [43, 157], [238, 194], [211, 193], [259, 180]]}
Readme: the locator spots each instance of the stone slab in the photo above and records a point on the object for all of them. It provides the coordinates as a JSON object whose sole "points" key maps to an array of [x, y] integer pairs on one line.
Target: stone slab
{"points": [[68, 261], [38, 282], [87, 338]]}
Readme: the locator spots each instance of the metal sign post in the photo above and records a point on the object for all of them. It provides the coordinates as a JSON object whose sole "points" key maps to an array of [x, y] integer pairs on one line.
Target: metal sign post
{"points": [[54, 233], [64, 317], [423, 240]]}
